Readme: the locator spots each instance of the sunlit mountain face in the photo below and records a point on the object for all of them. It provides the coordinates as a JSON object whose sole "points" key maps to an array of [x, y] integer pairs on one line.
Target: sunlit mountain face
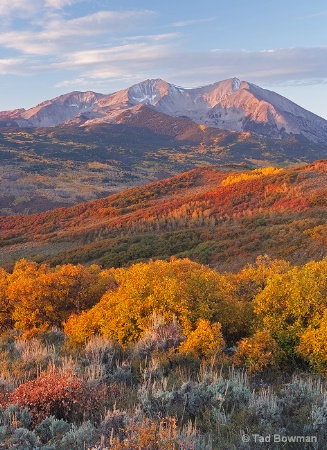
{"points": [[229, 105]]}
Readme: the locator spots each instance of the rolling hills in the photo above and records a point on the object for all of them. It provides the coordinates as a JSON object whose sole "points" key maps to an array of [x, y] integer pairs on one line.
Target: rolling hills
{"points": [[222, 216], [45, 168], [84, 145]]}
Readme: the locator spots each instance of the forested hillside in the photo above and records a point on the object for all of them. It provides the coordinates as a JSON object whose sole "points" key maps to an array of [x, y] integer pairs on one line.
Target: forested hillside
{"points": [[219, 216], [45, 168]]}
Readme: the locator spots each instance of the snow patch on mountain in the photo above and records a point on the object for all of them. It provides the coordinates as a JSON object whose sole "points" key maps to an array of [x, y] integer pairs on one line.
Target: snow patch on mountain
{"points": [[236, 84], [229, 104]]}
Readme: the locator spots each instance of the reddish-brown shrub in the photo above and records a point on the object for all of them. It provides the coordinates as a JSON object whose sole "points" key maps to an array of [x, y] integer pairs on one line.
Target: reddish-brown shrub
{"points": [[3, 396], [148, 434], [63, 395]]}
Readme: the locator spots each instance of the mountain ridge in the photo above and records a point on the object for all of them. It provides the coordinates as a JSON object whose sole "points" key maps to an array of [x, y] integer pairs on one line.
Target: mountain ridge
{"points": [[230, 104]]}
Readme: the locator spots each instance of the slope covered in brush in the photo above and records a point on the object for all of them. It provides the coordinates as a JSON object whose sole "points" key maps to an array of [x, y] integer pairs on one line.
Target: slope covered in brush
{"points": [[221, 216], [45, 168]]}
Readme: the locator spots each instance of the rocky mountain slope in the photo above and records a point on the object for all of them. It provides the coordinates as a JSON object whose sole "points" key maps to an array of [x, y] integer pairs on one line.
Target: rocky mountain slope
{"points": [[230, 105]]}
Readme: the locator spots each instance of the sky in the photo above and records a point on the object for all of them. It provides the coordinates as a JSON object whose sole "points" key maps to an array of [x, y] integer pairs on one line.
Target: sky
{"points": [[51, 47]]}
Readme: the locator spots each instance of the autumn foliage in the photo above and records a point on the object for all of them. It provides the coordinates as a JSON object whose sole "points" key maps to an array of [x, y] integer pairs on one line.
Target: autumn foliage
{"points": [[35, 297], [223, 216], [137, 357], [205, 341], [178, 289], [258, 352], [272, 310], [63, 395]]}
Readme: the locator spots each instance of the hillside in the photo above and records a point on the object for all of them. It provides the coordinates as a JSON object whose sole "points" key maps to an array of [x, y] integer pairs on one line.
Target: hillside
{"points": [[45, 168], [222, 216]]}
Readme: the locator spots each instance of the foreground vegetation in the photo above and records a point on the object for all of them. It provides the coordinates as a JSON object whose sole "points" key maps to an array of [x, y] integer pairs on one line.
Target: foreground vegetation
{"points": [[163, 355], [104, 397], [213, 344]]}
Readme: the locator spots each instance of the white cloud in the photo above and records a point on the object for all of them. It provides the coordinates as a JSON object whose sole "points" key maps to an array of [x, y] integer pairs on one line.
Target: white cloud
{"points": [[186, 23], [59, 35], [12, 66], [21, 8], [58, 4], [260, 67], [152, 37], [58, 49], [100, 22], [28, 42], [29, 8], [80, 82], [122, 54], [312, 16], [103, 67], [100, 85], [104, 46], [308, 82]]}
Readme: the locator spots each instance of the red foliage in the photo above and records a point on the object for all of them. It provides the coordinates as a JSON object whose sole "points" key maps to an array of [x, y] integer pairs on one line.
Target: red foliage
{"points": [[63, 395], [3, 396], [291, 204]]}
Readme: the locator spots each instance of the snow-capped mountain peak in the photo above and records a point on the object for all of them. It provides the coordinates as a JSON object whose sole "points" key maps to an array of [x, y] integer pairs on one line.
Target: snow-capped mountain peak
{"points": [[236, 84], [148, 92], [230, 104]]}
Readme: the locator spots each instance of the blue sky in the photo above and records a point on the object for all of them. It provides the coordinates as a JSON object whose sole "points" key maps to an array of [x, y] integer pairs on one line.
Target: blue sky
{"points": [[50, 47]]}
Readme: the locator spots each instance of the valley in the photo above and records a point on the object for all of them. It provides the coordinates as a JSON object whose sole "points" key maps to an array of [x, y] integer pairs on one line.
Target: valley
{"points": [[45, 168]]}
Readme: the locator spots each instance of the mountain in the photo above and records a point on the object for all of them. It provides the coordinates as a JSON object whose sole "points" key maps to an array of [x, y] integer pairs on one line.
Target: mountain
{"points": [[54, 112], [222, 216], [85, 145], [229, 105]]}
